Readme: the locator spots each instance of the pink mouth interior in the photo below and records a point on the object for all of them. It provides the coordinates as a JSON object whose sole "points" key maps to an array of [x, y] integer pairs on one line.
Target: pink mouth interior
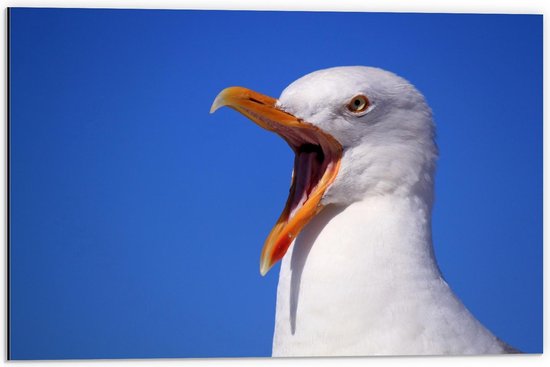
{"points": [[309, 166], [310, 162]]}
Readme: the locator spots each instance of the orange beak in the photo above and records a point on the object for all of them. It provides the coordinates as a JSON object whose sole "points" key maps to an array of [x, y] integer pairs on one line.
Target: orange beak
{"points": [[316, 165]]}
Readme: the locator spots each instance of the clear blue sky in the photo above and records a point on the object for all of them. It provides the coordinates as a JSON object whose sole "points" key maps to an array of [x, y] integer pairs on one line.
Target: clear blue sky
{"points": [[137, 218]]}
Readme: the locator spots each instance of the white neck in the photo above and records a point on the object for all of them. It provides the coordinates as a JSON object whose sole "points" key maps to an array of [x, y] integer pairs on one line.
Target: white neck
{"points": [[363, 280]]}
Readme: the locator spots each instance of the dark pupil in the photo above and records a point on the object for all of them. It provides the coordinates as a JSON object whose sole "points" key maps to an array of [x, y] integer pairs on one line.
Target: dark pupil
{"points": [[357, 103]]}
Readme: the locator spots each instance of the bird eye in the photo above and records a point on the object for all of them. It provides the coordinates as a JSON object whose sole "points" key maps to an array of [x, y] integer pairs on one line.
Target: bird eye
{"points": [[358, 104]]}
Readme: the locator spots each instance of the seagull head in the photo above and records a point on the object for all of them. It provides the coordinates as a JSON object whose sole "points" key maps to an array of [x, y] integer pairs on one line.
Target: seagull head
{"points": [[356, 132]]}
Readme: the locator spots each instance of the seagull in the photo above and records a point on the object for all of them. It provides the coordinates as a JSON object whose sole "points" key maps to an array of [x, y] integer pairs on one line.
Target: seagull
{"points": [[358, 273]]}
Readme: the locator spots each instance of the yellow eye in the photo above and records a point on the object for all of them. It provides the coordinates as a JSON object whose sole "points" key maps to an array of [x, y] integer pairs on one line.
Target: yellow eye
{"points": [[358, 103]]}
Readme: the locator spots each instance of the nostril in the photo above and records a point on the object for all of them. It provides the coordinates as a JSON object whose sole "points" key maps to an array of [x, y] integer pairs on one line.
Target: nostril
{"points": [[255, 100]]}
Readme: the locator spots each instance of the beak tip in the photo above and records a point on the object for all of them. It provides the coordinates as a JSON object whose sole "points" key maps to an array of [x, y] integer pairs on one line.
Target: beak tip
{"points": [[264, 268], [216, 105], [223, 98]]}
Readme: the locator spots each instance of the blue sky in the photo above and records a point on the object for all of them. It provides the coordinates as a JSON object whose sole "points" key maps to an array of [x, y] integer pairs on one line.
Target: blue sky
{"points": [[137, 219]]}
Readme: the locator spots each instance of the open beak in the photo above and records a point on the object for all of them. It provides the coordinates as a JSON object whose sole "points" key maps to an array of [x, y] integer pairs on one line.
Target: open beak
{"points": [[316, 165]]}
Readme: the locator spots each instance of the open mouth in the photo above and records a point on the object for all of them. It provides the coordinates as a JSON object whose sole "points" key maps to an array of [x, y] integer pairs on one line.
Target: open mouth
{"points": [[309, 166], [315, 169], [316, 163]]}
